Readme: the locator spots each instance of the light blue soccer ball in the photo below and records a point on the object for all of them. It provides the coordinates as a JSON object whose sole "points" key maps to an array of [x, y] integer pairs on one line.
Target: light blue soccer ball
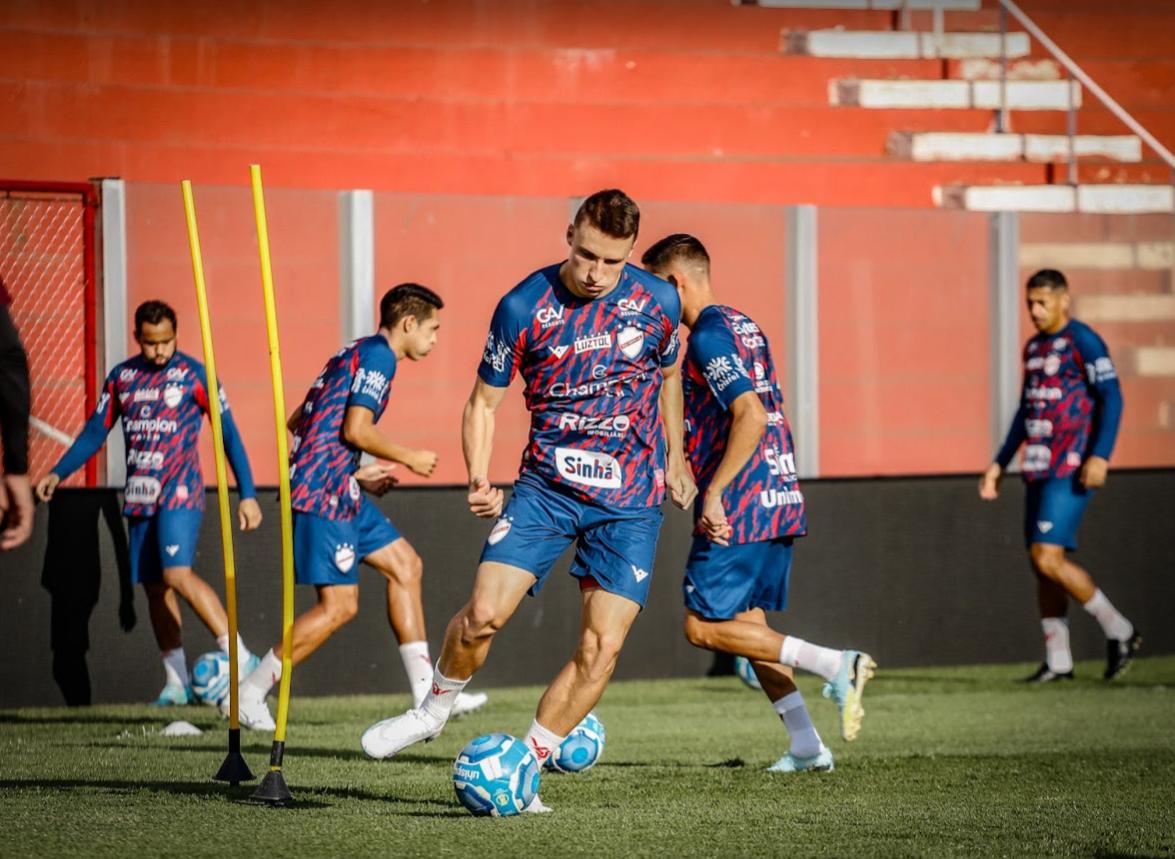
{"points": [[742, 667], [582, 747], [210, 677], [496, 774]]}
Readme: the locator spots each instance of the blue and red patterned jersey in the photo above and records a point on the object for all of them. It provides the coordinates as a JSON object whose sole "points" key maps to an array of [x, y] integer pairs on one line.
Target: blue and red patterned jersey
{"points": [[162, 409], [321, 463], [1070, 405], [728, 356], [592, 370]]}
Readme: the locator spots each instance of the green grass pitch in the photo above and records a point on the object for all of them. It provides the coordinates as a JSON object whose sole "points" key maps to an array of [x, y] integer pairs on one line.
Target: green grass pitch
{"points": [[951, 762]]}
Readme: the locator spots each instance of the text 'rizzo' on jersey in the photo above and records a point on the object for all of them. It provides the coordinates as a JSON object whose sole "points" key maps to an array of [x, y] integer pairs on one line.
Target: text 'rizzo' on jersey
{"points": [[592, 370]]}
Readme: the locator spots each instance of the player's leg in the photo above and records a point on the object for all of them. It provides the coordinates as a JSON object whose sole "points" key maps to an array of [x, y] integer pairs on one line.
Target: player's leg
{"points": [[162, 609]]}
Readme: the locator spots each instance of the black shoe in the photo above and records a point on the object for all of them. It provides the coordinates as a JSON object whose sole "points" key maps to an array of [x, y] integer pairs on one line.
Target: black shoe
{"points": [[1044, 674], [1119, 654]]}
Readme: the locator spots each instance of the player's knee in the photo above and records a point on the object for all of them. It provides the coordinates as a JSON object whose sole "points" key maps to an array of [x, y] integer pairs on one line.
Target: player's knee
{"points": [[479, 620], [180, 578], [342, 609], [411, 570], [1047, 560], [598, 653], [697, 631]]}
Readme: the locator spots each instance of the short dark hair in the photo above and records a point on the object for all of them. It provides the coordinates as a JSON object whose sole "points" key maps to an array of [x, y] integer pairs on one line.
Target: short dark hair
{"points": [[407, 299], [679, 246], [1049, 278], [152, 313], [612, 212]]}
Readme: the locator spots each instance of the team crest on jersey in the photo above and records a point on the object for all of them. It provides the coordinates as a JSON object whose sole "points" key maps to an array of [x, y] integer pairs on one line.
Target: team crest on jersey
{"points": [[498, 534], [631, 340], [1052, 364], [172, 395], [344, 557], [353, 488]]}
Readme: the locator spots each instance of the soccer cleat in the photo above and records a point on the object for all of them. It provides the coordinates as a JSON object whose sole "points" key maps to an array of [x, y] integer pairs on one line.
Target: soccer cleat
{"points": [[1044, 674], [536, 806], [1119, 654], [389, 736], [819, 763], [469, 702], [252, 712], [174, 695], [846, 689]]}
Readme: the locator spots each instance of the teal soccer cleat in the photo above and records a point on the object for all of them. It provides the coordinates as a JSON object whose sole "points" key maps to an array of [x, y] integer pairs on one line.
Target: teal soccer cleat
{"points": [[789, 763], [846, 689], [174, 695]]}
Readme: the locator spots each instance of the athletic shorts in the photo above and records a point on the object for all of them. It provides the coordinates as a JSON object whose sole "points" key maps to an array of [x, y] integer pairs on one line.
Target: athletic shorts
{"points": [[723, 581], [1053, 509], [167, 539], [328, 551], [615, 546]]}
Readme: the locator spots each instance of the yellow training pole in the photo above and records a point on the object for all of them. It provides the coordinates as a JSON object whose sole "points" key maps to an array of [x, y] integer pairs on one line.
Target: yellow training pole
{"points": [[273, 787], [234, 769]]}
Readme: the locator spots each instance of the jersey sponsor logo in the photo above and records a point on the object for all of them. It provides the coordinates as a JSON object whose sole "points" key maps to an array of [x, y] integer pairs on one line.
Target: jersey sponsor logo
{"points": [[639, 574], [1037, 457], [181, 492], [671, 346], [630, 340], [722, 371], [344, 557], [149, 459], [370, 383], [775, 419], [1038, 428], [549, 316], [223, 401], [609, 425], [172, 395], [353, 488], [559, 351], [500, 530], [1101, 370], [630, 306], [146, 395], [771, 498], [778, 463], [748, 333], [496, 353], [604, 387], [599, 371], [143, 490], [127, 375], [592, 343], [175, 374], [762, 382], [588, 468], [1060, 344], [103, 402], [1041, 393], [152, 426]]}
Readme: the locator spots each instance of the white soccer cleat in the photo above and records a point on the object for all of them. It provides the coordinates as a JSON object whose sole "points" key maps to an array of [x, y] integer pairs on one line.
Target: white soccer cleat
{"points": [[469, 702], [389, 736], [253, 713], [537, 807]]}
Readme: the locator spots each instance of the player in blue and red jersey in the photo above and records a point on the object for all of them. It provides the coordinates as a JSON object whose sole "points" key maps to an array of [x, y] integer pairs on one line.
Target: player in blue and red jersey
{"points": [[335, 525], [595, 340], [1070, 408], [161, 395], [749, 509]]}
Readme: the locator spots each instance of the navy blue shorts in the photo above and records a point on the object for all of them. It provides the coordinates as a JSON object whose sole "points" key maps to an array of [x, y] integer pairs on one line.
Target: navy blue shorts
{"points": [[724, 581], [167, 539], [328, 552], [615, 546], [1053, 509]]}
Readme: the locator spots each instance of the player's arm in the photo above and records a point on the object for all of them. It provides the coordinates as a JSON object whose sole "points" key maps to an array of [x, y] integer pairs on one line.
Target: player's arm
{"points": [[1106, 391], [248, 510], [360, 431], [989, 481], [477, 444], [295, 418], [88, 442], [747, 425], [678, 475], [16, 495]]}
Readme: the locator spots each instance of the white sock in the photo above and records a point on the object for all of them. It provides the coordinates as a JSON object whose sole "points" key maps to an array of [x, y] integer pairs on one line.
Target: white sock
{"points": [[418, 667], [798, 653], [805, 742], [264, 676], [243, 654], [442, 695], [542, 742], [175, 666], [1056, 644], [1114, 625]]}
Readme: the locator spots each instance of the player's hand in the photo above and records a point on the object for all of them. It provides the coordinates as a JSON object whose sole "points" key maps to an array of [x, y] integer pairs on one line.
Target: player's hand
{"points": [[485, 501], [989, 483], [249, 514], [1093, 473], [376, 477], [46, 486], [679, 476], [18, 510], [423, 462], [713, 519]]}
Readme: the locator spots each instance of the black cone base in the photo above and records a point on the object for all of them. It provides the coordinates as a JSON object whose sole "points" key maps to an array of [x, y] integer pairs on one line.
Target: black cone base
{"points": [[234, 770], [273, 789]]}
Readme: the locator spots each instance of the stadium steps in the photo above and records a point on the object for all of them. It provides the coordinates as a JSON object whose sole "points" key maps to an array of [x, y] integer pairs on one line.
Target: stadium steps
{"points": [[1138, 307], [899, 45], [986, 146], [1088, 199], [1099, 256]]}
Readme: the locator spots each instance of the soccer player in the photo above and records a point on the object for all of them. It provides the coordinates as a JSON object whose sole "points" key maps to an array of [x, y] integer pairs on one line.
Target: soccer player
{"points": [[1070, 407], [749, 508], [335, 526], [161, 394], [596, 341], [16, 496]]}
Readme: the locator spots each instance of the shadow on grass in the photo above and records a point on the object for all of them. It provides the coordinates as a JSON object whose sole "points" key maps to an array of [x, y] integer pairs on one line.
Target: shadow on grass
{"points": [[82, 718]]}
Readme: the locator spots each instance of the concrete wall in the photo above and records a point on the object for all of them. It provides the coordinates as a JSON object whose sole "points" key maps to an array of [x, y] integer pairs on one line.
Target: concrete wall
{"points": [[917, 571]]}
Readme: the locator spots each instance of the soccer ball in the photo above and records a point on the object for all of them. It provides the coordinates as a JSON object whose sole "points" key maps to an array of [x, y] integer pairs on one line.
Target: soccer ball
{"points": [[746, 673], [496, 774], [582, 747], [210, 675]]}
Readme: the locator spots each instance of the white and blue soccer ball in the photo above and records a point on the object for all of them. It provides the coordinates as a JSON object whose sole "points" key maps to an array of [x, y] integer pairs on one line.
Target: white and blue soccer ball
{"points": [[496, 774], [210, 678], [581, 748], [746, 672]]}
